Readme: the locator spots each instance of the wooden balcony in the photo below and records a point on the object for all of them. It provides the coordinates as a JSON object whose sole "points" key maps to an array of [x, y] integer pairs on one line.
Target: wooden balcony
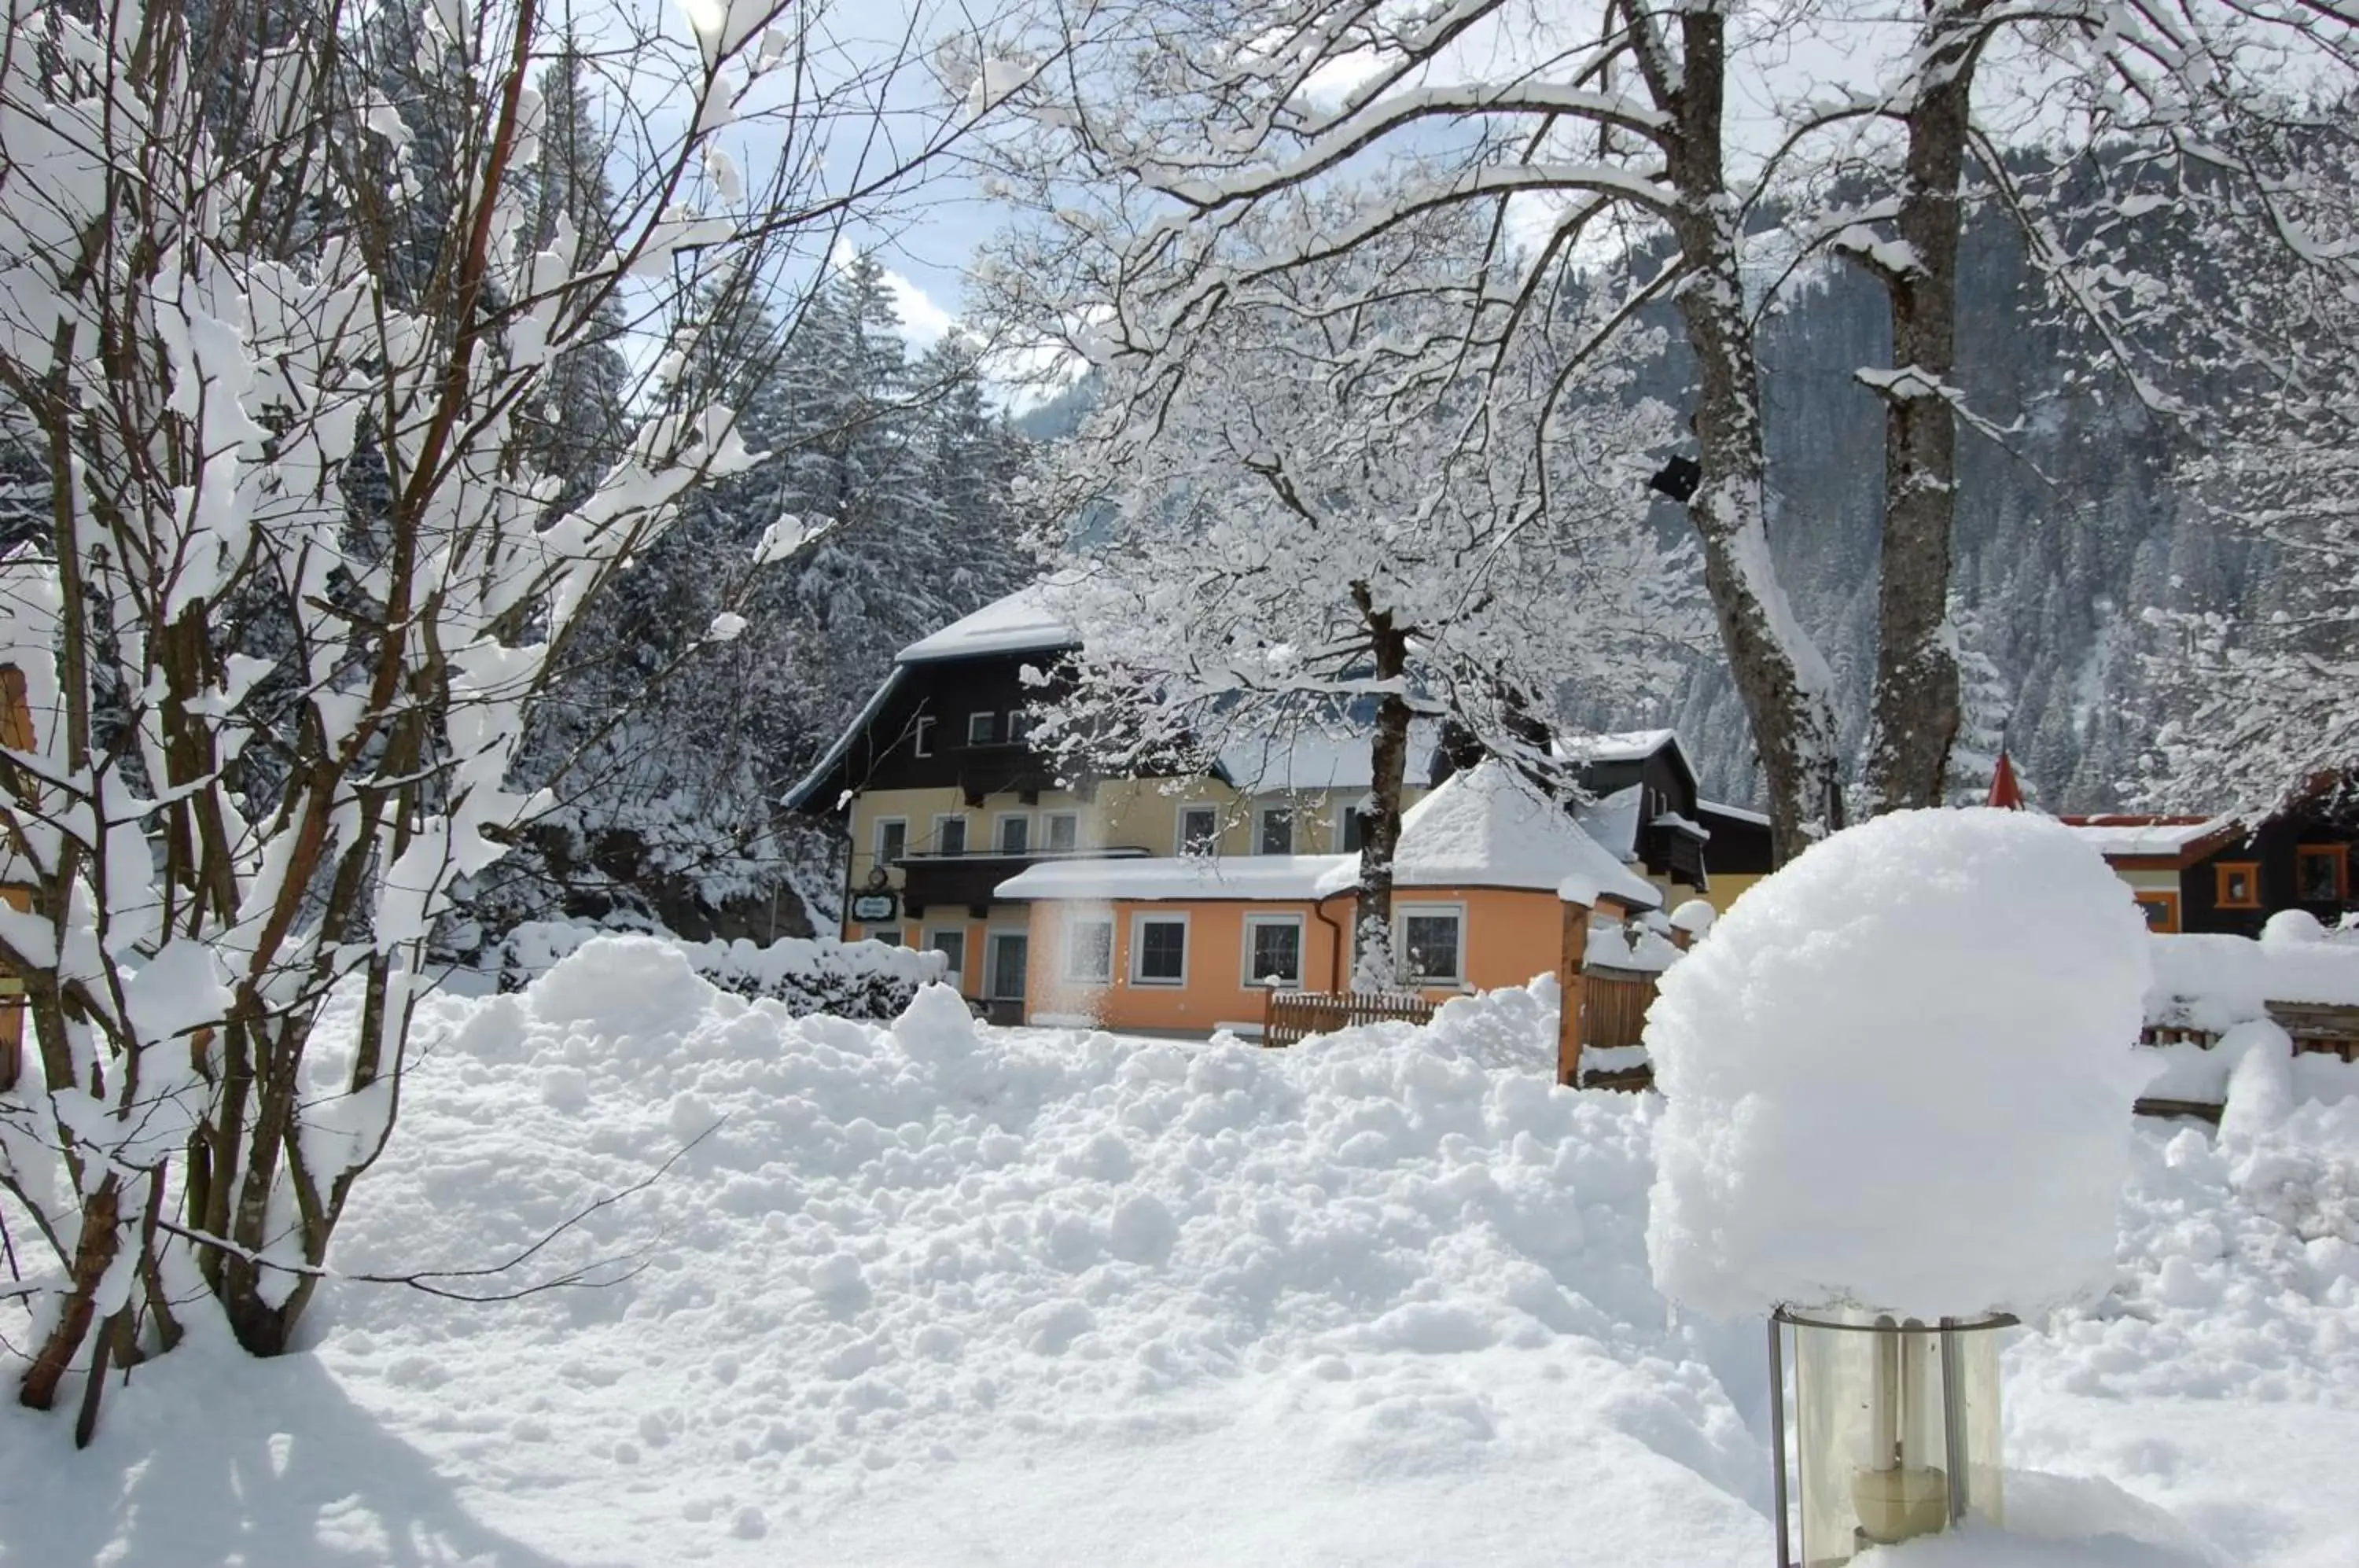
{"points": [[968, 880]]}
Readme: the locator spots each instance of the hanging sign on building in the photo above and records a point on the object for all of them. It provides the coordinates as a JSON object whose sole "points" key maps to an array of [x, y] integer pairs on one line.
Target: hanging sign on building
{"points": [[874, 909]]}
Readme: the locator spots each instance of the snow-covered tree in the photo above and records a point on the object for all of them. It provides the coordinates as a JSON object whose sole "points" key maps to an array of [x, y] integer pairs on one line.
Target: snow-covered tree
{"points": [[2259, 690], [1297, 524], [1603, 130], [252, 389]]}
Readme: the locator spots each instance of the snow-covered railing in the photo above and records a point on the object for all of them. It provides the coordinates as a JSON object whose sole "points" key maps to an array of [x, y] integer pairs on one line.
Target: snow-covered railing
{"points": [[2295, 989], [843, 979]]}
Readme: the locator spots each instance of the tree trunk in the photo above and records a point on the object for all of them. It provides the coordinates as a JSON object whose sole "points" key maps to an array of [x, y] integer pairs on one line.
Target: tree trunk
{"points": [[1916, 700], [1783, 681], [94, 1252], [1373, 966]]}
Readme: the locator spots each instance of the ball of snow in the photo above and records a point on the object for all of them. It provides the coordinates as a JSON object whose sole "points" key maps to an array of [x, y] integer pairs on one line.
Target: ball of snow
{"points": [[1694, 917], [1900, 1075], [2291, 926]]}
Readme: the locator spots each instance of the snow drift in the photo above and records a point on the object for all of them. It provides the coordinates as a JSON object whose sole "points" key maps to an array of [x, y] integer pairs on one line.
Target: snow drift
{"points": [[898, 1248]]}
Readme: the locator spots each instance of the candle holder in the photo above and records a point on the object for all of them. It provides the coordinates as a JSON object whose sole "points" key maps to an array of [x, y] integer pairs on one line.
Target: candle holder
{"points": [[1896, 1429]]}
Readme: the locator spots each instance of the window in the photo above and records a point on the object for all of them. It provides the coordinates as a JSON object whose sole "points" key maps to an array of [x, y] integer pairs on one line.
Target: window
{"points": [[890, 935], [1276, 834], [2161, 910], [1158, 950], [2240, 884], [950, 944], [1015, 836], [2320, 873], [1274, 949], [1089, 952], [891, 840], [1200, 830], [1431, 941], [1061, 830], [1019, 724], [982, 728], [949, 835], [1356, 828], [921, 737], [1007, 957]]}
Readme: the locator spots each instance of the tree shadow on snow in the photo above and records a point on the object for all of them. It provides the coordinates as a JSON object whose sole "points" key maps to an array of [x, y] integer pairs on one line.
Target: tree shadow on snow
{"points": [[262, 1465]]}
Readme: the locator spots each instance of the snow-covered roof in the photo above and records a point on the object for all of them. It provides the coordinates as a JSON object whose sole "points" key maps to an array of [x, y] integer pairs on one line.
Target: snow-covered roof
{"points": [[1626, 746], [1681, 824], [796, 797], [1739, 813], [1161, 877], [1613, 821], [2123, 836], [1315, 759], [1023, 622], [1488, 827]]}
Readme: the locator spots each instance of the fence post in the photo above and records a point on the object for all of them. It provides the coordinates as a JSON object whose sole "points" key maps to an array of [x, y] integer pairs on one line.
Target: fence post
{"points": [[1569, 983]]}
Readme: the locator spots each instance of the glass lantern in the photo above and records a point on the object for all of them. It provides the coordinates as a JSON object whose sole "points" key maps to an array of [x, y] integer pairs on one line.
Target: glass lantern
{"points": [[1896, 1429]]}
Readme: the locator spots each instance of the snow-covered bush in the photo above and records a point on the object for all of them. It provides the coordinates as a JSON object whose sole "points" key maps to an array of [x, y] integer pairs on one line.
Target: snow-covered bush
{"points": [[842, 979], [1900, 1075]]}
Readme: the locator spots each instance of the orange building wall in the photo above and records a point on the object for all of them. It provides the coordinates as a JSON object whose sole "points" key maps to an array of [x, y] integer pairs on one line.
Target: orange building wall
{"points": [[1510, 935]]}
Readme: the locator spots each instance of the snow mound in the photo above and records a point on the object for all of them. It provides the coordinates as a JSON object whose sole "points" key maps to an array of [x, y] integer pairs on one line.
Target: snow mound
{"points": [[899, 1249], [1510, 1030], [1899, 1075]]}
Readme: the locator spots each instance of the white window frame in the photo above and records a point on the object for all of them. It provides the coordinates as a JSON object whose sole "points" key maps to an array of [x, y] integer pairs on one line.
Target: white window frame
{"points": [[999, 826], [877, 838], [1072, 971], [1048, 838], [941, 817], [1014, 726], [989, 719], [957, 972], [1245, 962], [1293, 815], [922, 735], [893, 935], [1401, 913], [1180, 829], [1139, 922]]}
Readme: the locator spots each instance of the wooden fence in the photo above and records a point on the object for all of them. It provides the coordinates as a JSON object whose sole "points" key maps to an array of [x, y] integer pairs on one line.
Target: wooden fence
{"points": [[1613, 1006], [2315, 1027], [1290, 1017]]}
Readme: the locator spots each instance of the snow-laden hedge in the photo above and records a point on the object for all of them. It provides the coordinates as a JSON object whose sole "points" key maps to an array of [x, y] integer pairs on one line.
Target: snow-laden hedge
{"points": [[842, 979]]}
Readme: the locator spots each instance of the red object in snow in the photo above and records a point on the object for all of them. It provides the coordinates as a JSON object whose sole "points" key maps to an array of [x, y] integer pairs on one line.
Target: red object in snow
{"points": [[2005, 793]]}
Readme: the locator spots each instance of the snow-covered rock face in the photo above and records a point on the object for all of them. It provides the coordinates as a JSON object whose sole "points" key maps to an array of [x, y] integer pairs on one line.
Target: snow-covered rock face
{"points": [[1900, 1075]]}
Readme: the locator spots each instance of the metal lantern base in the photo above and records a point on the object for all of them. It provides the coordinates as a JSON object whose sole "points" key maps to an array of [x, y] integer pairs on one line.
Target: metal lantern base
{"points": [[1896, 1429]]}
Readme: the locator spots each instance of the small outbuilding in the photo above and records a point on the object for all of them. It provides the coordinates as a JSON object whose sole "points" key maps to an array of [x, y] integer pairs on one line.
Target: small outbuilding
{"points": [[1193, 943]]}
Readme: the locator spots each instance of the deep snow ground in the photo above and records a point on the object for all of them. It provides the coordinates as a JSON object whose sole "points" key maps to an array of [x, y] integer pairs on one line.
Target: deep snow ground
{"points": [[937, 1294]]}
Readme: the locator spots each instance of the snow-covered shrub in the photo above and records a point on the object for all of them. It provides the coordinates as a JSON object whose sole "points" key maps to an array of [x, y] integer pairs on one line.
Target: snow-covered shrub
{"points": [[843, 979], [1900, 1075]]}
